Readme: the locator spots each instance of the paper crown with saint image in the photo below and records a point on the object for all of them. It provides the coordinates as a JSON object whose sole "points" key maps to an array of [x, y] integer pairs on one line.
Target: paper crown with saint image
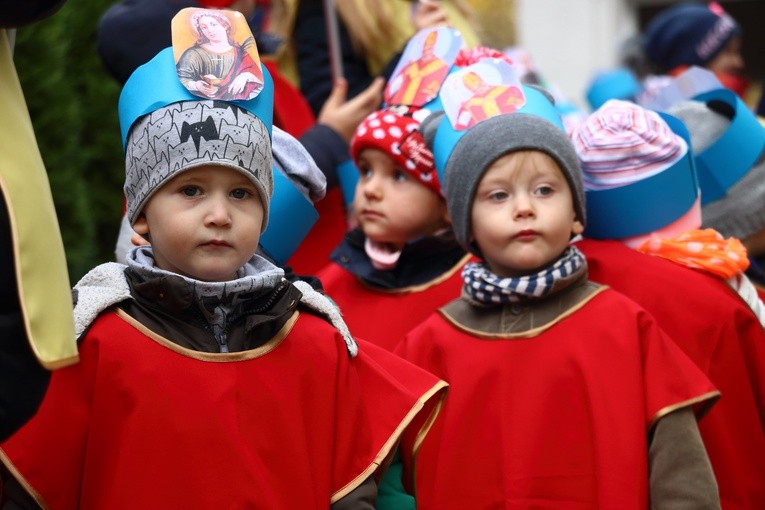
{"points": [[488, 113], [168, 128], [412, 93]]}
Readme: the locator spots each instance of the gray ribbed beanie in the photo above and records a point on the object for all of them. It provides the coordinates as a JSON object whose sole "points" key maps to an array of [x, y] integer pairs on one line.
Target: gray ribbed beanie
{"points": [[741, 212], [487, 141], [188, 134]]}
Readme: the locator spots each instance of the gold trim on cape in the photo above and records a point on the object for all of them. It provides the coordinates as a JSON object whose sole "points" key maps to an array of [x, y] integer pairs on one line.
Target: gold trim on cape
{"points": [[387, 449], [22, 481], [708, 398], [528, 333], [216, 357]]}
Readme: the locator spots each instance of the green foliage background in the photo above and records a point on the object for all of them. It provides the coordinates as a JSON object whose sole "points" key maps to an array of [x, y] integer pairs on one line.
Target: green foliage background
{"points": [[73, 105]]}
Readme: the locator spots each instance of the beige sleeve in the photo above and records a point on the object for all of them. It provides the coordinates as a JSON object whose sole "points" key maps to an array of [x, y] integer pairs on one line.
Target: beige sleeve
{"points": [[680, 474]]}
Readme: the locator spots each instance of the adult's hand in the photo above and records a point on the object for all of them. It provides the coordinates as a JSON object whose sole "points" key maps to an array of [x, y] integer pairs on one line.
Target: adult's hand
{"points": [[345, 116], [427, 14]]}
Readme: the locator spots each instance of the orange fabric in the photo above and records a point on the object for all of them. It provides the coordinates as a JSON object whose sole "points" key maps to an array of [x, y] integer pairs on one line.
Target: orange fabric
{"points": [[705, 249]]}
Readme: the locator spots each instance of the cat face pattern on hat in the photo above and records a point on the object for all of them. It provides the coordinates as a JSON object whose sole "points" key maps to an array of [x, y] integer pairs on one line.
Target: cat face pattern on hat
{"points": [[189, 134]]}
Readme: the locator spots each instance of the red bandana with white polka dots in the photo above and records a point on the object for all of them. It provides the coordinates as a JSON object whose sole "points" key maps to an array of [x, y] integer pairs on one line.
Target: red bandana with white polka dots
{"points": [[398, 136]]}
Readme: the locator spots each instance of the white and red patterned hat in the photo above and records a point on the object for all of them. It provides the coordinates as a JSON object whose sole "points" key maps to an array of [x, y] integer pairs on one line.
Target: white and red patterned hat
{"points": [[397, 135]]}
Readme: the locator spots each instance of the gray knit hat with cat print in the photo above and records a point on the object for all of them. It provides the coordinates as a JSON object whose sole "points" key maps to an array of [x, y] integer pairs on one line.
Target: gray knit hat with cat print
{"points": [[189, 134]]}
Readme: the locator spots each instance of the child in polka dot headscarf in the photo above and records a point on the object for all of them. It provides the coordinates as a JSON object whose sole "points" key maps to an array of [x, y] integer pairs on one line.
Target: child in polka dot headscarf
{"points": [[401, 256]]}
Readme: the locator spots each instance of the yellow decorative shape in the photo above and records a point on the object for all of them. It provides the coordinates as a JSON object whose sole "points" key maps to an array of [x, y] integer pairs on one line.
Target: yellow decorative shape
{"points": [[41, 272]]}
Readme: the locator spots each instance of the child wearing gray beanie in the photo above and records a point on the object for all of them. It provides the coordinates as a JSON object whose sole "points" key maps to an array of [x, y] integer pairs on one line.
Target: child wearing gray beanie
{"points": [[253, 384], [487, 142], [525, 343]]}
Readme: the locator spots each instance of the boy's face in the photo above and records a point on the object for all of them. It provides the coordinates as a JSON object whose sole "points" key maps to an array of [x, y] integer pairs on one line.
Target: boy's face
{"points": [[204, 223], [729, 60], [523, 214], [390, 205]]}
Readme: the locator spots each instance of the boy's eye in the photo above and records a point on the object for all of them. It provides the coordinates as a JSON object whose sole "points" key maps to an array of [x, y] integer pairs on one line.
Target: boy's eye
{"points": [[240, 193], [190, 191], [544, 191], [365, 172], [400, 176], [498, 195]]}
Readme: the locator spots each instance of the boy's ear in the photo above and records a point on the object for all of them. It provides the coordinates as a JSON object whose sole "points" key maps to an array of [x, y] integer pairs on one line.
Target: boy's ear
{"points": [[577, 228], [140, 226]]}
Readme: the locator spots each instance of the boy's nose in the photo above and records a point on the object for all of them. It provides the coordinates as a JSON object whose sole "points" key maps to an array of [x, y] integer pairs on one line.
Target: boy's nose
{"points": [[522, 206], [218, 213], [372, 188]]}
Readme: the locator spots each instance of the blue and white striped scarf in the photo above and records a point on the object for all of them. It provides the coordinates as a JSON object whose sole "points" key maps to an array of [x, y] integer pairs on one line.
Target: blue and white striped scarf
{"points": [[486, 287]]}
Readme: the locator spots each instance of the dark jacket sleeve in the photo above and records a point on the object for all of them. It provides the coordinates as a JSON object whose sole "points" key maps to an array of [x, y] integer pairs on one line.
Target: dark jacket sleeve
{"points": [[13, 496], [680, 473], [312, 52], [328, 150], [23, 381], [14, 14]]}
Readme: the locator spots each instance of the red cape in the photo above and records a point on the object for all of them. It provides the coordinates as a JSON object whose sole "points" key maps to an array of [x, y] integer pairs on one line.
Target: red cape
{"points": [[141, 422], [313, 253], [291, 110], [384, 317], [720, 333], [556, 421]]}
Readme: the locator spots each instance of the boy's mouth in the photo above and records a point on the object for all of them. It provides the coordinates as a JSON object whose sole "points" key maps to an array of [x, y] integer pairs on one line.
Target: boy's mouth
{"points": [[526, 235], [216, 242], [372, 213]]}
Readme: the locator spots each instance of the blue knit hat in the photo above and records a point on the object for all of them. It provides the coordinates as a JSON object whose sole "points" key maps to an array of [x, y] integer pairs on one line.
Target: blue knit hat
{"points": [[687, 34]]}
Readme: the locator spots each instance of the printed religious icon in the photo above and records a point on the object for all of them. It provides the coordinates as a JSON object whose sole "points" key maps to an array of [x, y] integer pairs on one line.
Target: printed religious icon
{"points": [[482, 90], [423, 66], [215, 54]]}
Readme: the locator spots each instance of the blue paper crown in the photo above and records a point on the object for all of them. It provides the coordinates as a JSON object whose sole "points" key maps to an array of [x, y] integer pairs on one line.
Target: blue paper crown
{"points": [[537, 103], [291, 217], [725, 162], [615, 84], [155, 85], [647, 205]]}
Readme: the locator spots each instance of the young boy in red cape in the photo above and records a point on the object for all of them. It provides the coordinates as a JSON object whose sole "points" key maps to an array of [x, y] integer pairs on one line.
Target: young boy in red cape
{"points": [[206, 379], [563, 392], [634, 160], [402, 261]]}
